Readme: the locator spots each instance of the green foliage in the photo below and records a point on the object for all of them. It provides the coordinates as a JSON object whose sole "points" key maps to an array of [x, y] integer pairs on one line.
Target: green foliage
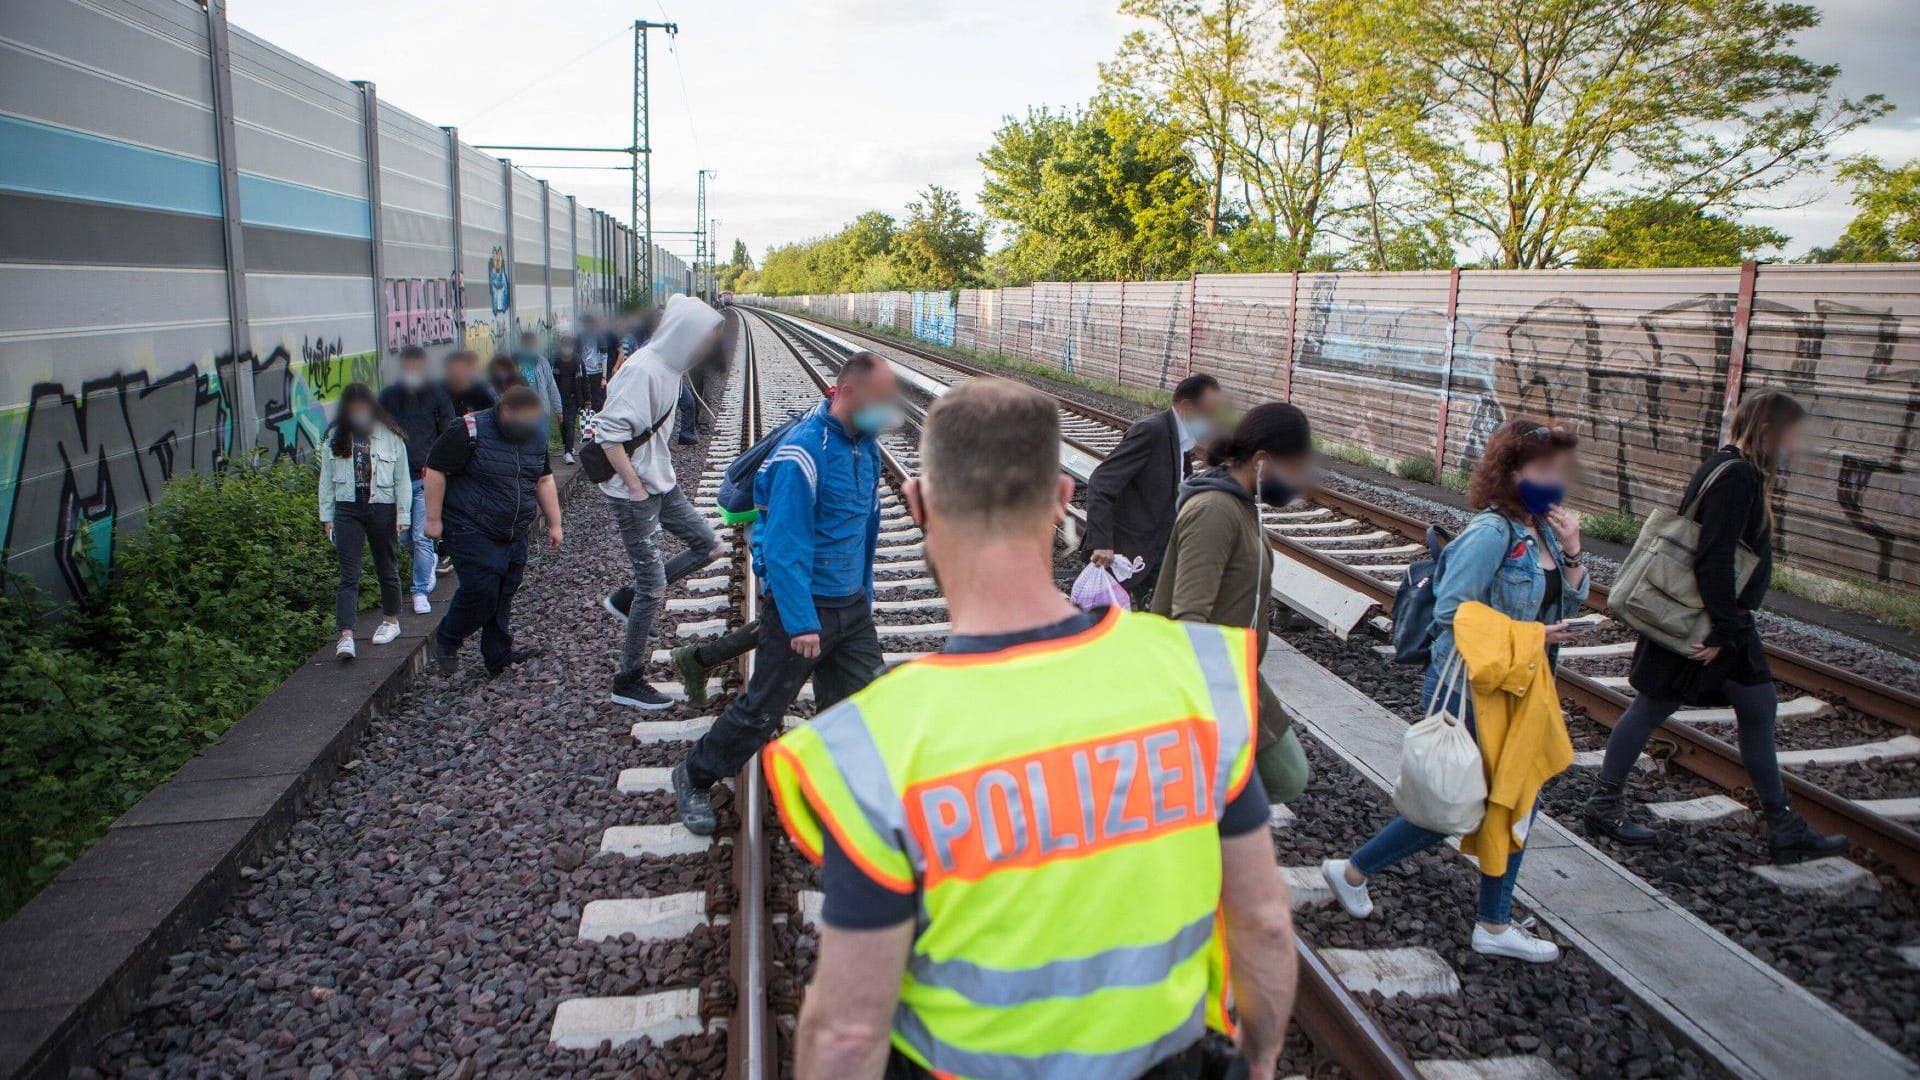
{"points": [[220, 596], [731, 271], [1613, 526], [1418, 468], [1639, 233], [940, 247], [1870, 598], [1351, 454], [1101, 195], [1456, 479], [636, 299], [1887, 225]]}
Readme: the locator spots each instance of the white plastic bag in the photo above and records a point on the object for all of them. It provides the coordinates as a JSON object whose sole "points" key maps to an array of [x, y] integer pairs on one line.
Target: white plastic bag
{"points": [[1097, 587], [1443, 784]]}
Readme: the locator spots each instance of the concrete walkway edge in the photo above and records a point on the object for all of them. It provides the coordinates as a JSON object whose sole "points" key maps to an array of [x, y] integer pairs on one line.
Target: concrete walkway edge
{"points": [[1729, 1005]]}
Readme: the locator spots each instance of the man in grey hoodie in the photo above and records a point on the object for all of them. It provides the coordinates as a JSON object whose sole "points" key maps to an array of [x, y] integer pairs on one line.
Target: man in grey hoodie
{"points": [[645, 495]]}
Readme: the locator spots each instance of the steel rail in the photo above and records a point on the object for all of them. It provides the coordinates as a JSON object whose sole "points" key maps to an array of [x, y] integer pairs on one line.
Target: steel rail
{"points": [[1325, 1009], [1713, 759], [1877, 699], [752, 1050]]}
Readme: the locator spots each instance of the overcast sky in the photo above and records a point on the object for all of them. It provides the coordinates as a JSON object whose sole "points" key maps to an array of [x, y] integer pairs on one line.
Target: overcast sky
{"points": [[812, 112]]}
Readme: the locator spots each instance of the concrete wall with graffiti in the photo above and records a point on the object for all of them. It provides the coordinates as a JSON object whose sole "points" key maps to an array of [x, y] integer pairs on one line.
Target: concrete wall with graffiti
{"points": [[1640, 363], [122, 361]]}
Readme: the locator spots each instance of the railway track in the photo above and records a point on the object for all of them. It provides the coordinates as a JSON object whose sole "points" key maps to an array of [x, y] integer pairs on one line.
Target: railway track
{"points": [[1861, 722], [1332, 1016]]}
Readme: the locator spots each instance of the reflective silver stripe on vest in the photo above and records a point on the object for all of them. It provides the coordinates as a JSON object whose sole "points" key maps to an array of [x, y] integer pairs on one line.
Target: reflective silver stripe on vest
{"points": [[946, 1058], [1226, 691], [1127, 965], [842, 730]]}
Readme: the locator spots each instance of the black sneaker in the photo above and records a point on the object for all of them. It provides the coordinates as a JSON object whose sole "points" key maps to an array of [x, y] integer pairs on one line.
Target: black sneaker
{"points": [[637, 692], [517, 656], [618, 602], [444, 566], [696, 804]]}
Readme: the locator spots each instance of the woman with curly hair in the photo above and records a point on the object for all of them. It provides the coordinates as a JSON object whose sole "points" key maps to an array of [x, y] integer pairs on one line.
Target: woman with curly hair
{"points": [[1521, 556]]}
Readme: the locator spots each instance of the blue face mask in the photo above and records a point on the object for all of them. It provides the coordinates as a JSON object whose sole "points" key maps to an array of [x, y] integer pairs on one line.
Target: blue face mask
{"points": [[1540, 498], [873, 419]]}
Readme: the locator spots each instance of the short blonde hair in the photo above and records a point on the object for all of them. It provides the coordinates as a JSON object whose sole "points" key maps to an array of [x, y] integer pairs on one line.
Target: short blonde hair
{"points": [[990, 454]]}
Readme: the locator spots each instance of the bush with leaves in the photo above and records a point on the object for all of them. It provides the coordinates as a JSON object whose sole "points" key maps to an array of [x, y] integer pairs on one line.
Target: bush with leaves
{"points": [[221, 595]]}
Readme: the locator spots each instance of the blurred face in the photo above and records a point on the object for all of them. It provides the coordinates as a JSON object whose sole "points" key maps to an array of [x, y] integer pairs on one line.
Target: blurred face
{"points": [[359, 416], [529, 343], [413, 372], [1790, 438], [1549, 470], [871, 402], [1203, 416], [460, 373], [519, 424]]}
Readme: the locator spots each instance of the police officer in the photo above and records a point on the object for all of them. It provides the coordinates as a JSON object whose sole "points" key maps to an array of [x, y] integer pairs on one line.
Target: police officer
{"points": [[977, 810], [486, 478]]}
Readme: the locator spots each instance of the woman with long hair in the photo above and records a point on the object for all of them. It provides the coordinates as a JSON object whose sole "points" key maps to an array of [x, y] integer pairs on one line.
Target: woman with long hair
{"points": [[1218, 559], [1729, 667], [1521, 556], [363, 470]]}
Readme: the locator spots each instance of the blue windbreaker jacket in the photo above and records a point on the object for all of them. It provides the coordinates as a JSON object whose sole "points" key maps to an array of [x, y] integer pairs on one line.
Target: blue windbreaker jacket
{"points": [[819, 495]]}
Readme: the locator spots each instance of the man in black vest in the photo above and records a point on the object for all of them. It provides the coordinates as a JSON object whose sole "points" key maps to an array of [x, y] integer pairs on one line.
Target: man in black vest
{"points": [[486, 479]]}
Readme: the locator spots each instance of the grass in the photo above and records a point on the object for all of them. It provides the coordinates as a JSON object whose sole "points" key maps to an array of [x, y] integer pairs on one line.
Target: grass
{"points": [[1613, 526], [1352, 455], [1418, 468], [1873, 599]]}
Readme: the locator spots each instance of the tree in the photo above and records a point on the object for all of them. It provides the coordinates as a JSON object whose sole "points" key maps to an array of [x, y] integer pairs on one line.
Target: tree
{"points": [[941, 245], [1638, 233], [1097, 195], [1887, 225], [1192, 66], [734, 268], [1544, 106]]}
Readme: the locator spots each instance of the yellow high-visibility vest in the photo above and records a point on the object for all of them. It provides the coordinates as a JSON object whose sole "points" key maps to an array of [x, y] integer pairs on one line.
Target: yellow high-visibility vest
{"points": [[1054, 807]]}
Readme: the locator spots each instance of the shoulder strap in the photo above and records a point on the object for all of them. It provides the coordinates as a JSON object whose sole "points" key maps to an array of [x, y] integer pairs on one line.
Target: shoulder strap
{"points": [[473, 427], [1687, 510]]}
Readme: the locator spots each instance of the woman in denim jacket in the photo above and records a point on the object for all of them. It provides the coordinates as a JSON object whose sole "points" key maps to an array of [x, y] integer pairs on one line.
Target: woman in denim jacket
{"points": [[363, 470], [1521, 556]]}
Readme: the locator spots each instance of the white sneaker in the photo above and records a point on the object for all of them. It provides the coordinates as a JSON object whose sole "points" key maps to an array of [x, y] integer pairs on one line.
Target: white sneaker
{"points": [[421, 605], [386, 632], [1515, 944], [344, 650], [1353, 898]]}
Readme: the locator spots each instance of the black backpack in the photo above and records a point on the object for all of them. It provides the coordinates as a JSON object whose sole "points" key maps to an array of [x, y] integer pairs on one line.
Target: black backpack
{"points": [[1413, 604]]}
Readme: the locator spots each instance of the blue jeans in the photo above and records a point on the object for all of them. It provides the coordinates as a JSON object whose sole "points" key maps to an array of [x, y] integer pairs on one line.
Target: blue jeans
{"points": [[420, 543], [1402, 838]]}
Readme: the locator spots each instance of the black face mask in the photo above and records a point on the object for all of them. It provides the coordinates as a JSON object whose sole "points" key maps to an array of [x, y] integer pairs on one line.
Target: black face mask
{"points": [[1274, 490], [519, 430]]}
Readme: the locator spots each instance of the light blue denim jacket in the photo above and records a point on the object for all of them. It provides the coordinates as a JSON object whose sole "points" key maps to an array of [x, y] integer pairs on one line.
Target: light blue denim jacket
{"points": [[1494, 561], [390, 474]]}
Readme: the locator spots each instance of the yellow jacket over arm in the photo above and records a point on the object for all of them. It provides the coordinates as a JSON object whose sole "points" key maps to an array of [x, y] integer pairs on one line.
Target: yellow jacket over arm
{"points": [[1517, 718]]}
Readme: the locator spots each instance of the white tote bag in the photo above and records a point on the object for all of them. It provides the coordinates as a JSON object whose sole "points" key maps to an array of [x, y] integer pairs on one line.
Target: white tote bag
{"points": [[1443, 785]]}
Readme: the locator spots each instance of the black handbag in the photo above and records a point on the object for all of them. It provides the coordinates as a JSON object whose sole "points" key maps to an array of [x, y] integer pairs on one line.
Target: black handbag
{"points": [[1413, 604], [593, 456]]}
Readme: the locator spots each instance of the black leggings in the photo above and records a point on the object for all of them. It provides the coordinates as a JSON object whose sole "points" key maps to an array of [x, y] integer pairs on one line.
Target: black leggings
{"points": [[1755, 708], [357, 525]]}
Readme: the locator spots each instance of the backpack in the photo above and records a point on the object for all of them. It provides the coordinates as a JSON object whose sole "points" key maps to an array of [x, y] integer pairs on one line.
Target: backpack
{"points": [[736, 484], [1413, 604]]}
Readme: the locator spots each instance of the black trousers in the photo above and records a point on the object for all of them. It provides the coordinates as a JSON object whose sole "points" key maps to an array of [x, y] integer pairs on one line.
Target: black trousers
{"points": [[489, 573], [593, 390], [569, 420], [358, 525], [849, 659]]}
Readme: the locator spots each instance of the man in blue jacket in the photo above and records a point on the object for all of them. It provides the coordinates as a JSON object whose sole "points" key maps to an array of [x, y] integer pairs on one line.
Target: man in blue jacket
{"points": [[819, 499]]}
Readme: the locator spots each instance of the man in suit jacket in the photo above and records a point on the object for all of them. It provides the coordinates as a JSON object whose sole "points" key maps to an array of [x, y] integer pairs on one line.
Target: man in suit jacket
{"points": [[1130, 496]]}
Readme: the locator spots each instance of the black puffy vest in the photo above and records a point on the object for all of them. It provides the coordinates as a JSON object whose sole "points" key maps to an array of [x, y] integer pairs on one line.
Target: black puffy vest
{"points": [[494, 494]]}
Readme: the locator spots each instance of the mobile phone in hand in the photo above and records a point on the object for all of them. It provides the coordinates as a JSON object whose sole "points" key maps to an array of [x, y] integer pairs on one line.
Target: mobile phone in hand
{"points": [[1581, 626]]}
